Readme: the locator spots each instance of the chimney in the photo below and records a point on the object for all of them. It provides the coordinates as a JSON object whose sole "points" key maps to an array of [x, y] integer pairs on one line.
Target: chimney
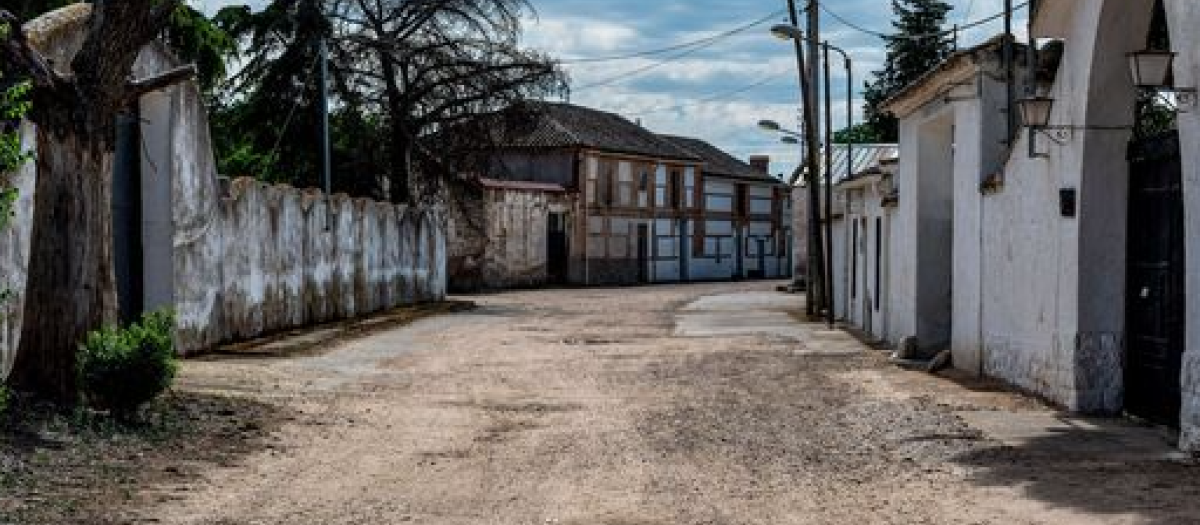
{"points": [[761, 163]]}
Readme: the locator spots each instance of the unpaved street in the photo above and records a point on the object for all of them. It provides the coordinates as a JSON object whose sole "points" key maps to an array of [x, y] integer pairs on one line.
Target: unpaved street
{"points": [[705, 404]]}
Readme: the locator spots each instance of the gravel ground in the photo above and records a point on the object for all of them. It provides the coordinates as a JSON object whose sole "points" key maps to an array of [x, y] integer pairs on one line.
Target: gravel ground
{"points": [[588, 407]]}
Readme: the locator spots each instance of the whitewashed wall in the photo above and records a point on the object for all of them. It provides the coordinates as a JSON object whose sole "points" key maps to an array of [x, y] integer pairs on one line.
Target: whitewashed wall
{"points": [[286, 258], [245, 262], [14, 257], [1183, 16], [1038, 298]]}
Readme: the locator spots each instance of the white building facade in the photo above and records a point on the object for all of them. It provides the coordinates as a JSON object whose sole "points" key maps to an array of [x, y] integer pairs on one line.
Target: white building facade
{"points": [[1059, 261]]}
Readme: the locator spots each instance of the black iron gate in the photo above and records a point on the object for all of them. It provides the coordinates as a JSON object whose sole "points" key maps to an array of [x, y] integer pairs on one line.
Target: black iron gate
{"points": [[1155, 294]]}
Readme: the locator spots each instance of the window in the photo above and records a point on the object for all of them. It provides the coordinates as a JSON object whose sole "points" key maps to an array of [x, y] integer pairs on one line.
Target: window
{"points": [[593, 173], [689, 187], [625, 186], [676, 189], [661, 187]]}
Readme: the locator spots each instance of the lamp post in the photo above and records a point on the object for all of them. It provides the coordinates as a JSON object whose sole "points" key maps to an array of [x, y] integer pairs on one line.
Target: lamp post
{"points": [[791, 32]]}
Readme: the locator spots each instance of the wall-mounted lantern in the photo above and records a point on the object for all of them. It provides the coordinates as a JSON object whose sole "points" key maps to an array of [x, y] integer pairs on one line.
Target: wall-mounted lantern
{"points": [[1035, 111], [1035, 114], [1151, 68]]}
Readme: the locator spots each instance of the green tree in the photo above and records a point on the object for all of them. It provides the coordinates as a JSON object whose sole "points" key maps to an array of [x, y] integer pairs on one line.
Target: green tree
{"points": [[861, 133], [919, 44], [401, 71]]}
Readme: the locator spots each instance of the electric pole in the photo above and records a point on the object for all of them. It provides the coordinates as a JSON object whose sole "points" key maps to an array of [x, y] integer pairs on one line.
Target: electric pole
{"points": [[326, 161], [815, 133], [811, 156]]}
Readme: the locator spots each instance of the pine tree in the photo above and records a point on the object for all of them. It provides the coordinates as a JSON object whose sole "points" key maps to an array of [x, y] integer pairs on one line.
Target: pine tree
{"points": [[919, 44]]}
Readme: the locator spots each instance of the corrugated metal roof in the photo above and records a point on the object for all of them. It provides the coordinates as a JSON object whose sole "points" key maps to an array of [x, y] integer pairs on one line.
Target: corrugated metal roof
{"points": [[861, 156]]}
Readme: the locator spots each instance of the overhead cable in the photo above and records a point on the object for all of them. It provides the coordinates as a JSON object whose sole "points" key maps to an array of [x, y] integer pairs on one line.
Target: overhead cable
{"points": [[718, 97], [676, 47], [880, 34]]}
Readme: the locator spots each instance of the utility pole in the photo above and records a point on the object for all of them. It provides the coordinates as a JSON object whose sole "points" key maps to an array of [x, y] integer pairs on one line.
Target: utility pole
{"points": [[815, 133], [829, 313], [812, 153], [326, 154], [326, 161]]}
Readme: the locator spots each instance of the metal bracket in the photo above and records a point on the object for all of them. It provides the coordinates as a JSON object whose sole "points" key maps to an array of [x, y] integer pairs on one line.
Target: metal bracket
{"points": [[1187, 100]]}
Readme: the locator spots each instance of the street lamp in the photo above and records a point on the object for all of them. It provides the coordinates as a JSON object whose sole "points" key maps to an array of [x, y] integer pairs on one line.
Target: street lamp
{"points": [[787, 32], [1151, 68], [793, 33], [769, 125]]}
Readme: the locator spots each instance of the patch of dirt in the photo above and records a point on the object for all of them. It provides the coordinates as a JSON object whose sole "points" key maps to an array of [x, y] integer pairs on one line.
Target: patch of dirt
{"points": [[84, 468], [321, 339], [487, 418]]}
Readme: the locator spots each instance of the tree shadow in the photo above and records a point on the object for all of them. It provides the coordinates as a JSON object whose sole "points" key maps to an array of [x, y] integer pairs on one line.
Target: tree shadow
{"points": [[1101, 467], [78, 467]]}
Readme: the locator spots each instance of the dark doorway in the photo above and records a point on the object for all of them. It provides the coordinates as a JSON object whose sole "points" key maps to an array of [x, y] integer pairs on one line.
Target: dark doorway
{"points": [[1155, 293], [643, 253], [558, 251], [127, 219], [761, 272]]}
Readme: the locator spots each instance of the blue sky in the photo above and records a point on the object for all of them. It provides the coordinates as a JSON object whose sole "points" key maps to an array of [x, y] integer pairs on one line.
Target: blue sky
{"points": [[671, 97]]}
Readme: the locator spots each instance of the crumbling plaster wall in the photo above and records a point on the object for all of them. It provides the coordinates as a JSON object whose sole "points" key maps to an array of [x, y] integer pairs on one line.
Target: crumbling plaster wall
{"points": [[518, 236], [243, 261], [14, 256], [286, 258]]}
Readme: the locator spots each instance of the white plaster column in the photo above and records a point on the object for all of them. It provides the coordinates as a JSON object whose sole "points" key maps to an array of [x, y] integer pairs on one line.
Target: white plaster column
{"points": [[1183, 16]]}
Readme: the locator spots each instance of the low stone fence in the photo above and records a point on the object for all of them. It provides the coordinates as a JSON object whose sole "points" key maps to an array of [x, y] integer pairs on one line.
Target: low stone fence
{"points": [[282, 258]]}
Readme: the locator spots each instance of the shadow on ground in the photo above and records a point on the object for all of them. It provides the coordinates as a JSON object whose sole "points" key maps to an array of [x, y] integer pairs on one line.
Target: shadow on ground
{"points": [[1100, 467], [58, 468]]}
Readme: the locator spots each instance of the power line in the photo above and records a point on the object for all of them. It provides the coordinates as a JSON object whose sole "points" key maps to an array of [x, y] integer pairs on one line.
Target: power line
{"points": [[722, 96], [711, 41], [676, 47], [969, 11], [885, 36]]}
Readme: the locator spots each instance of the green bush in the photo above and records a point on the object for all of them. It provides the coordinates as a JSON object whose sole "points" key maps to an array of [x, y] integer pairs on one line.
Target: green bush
{"points": [[121, 369], [4, 396]]}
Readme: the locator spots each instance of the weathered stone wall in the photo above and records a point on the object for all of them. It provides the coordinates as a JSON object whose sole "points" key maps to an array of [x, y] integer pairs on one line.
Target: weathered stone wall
{"points": [[518, 236], [14, 257], [242, 259], [286, 258], [499, 238]]}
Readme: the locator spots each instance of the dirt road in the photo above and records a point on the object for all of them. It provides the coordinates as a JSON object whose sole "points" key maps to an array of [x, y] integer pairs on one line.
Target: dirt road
{"points": [[651, 406]]}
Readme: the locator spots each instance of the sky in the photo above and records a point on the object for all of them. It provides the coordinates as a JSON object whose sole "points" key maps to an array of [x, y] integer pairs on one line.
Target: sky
{"points": [[720, 92]]}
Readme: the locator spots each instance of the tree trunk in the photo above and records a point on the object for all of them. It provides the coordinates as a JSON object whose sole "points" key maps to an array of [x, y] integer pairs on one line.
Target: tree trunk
{"points": [[71, 286], [400, 148]]}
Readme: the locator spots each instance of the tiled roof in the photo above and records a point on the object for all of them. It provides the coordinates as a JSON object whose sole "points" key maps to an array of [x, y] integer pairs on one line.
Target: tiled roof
{"points": [[562, 125], [717, 161]]}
